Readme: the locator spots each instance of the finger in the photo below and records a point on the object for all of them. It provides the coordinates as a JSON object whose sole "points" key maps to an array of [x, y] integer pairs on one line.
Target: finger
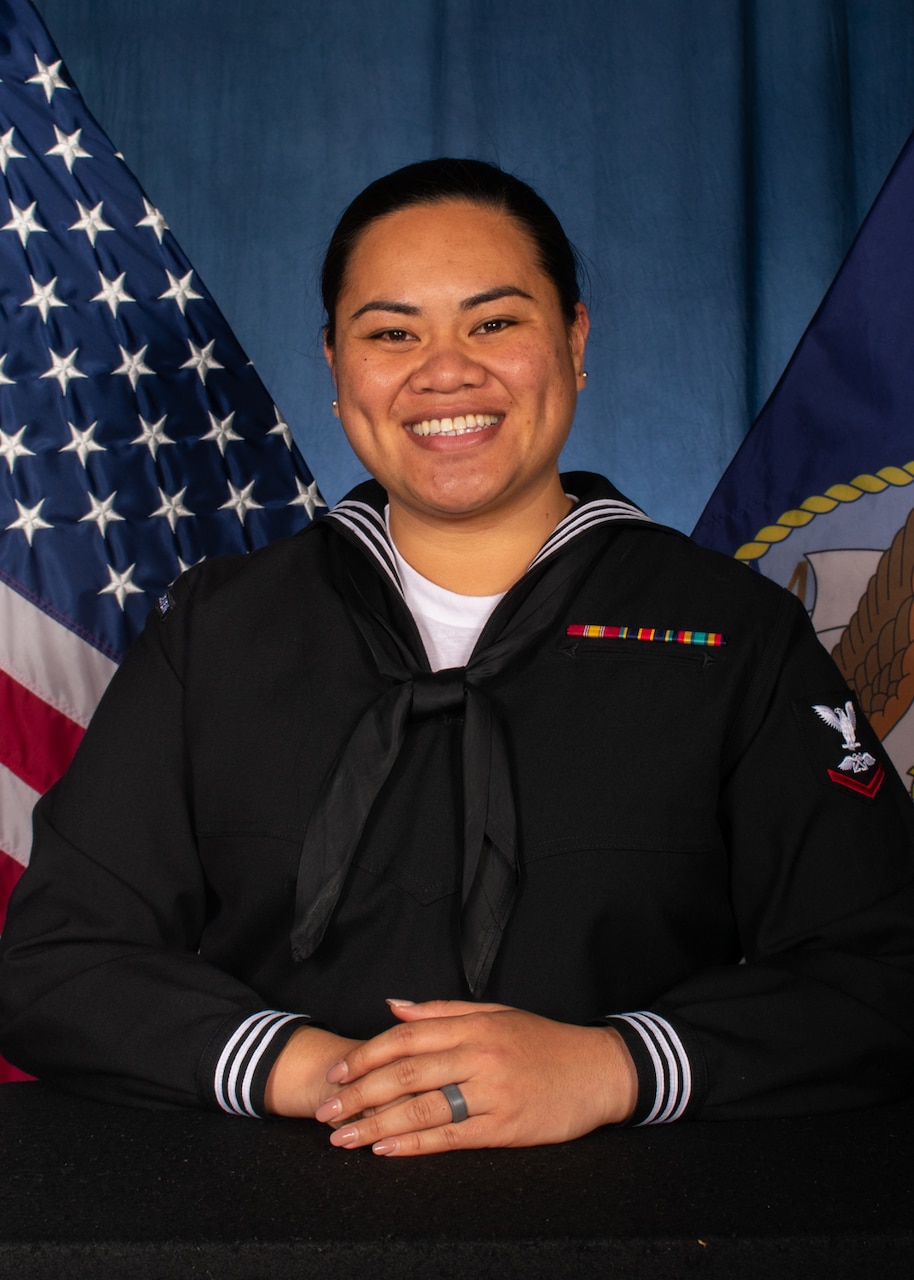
{"points": [[423, 1028], [384, 1085], [426, 1111], [409, 1011], [402, 1041], [450, 1137], [370, 1111]]}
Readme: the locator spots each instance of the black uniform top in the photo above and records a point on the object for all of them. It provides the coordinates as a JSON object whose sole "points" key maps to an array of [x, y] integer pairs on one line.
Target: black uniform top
{"points": [[712, 850]]}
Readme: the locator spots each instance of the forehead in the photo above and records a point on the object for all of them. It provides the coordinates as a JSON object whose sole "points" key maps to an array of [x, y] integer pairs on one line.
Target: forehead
{"points": [[454, 238]]}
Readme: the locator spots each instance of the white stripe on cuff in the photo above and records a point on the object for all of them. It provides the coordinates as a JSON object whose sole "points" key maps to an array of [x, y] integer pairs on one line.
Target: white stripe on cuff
{"points": [[240, 1057], [671, 1066]]}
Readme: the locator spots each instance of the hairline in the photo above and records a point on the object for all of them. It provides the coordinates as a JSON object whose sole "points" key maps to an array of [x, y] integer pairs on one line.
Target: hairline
{"points": [[481, 201]]}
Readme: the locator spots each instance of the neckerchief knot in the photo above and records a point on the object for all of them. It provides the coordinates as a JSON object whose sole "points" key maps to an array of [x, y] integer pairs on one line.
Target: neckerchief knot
{"points": [[438, 692]]}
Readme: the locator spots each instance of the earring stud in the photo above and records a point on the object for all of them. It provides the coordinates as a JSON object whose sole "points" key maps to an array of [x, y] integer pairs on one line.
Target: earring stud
{"points": [[334, 404]]}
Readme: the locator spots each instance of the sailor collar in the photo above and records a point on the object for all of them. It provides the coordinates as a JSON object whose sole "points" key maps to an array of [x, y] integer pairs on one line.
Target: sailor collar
{"points": [[361, 515]]}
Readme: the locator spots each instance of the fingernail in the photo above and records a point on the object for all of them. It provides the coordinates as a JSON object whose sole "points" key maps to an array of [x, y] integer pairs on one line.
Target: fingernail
{"points": [[328, 1110], [344, 1137], [399, 1004], [386, 1147], [338, 1072]]}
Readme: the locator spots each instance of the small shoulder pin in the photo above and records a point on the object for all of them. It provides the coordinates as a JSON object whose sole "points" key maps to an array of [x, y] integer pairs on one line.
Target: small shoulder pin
{"points": [[165, 603]]}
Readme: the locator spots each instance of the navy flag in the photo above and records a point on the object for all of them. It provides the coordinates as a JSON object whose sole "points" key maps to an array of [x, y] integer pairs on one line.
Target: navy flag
{"points": [[135, 436], [820, 497]]}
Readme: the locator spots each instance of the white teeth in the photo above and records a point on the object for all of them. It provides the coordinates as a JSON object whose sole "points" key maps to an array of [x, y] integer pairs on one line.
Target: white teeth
{"points": [[458, 426]]}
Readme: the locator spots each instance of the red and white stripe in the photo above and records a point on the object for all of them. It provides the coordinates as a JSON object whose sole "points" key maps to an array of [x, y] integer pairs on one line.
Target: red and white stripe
{"points": [[50, 682]]}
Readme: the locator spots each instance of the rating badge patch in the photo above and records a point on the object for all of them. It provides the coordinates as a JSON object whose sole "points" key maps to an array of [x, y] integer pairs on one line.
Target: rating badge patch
{"points": [[845, 743]]}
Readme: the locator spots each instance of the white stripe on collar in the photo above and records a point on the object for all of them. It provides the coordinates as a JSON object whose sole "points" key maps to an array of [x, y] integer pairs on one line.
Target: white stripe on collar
{"points": [[369, 526], [584, 516]]}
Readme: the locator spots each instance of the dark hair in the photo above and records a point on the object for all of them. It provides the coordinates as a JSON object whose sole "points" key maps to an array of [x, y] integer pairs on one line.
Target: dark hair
{"points": [[434, 182]]}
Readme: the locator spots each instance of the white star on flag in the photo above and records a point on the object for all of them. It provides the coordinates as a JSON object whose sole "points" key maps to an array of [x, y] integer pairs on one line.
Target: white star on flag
{"points": [[241, 501], [121, 585], [48, 77], [133, 366], [221, 431], [68, 148], [308, 497], [7, 150], [153, 219], [181, 290], [90, 221], [112, 292], [63, 369], [11, 447], [102, 512], [22, 221], [282, 429], [201, 359], [82, 443], [3, 378], [44, 297], [30, 519], [173, 507], [152, 435]]}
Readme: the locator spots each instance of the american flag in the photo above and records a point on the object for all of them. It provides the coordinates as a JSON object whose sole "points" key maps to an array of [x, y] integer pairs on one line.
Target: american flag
{"points": [[135, 436]]}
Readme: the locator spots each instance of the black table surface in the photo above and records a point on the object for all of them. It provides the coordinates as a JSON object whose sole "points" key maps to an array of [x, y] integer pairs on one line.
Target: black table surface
{"points": [[93, 1190]]}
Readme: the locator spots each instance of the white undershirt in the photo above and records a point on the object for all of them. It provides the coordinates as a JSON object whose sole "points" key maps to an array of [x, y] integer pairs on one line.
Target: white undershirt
{"points": [[449, 623]]}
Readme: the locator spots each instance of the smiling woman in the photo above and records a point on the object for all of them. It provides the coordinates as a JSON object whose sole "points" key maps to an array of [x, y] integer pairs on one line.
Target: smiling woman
{"points": [[457, 376], [483, 736]]}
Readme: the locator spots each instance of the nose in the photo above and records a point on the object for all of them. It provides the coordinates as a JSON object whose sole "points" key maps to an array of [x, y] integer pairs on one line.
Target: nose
{"points": [[446, 367]]}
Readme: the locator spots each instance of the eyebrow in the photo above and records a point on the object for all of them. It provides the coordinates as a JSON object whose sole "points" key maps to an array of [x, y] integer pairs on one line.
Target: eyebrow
{"points": [[399, 308], [493, 295], [476, 300]]}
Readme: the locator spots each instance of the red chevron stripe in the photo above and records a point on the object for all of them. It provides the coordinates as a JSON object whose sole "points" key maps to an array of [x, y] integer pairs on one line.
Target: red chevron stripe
{"points": [[854, 784]]}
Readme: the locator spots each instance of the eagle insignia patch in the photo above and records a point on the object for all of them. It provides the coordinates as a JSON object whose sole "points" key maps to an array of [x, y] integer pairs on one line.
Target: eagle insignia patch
{"points": [[857, 768]]}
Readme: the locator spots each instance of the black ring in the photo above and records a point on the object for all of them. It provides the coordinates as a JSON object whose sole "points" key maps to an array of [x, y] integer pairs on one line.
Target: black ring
{"points": [[456, 1101]]}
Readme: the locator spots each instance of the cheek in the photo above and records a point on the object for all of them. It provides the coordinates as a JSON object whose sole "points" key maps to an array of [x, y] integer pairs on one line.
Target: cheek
{"points": [[363, 385], [539, 373]]}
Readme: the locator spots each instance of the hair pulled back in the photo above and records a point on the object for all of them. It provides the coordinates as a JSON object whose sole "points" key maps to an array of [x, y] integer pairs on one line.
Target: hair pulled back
{"points": [[437, 181]]}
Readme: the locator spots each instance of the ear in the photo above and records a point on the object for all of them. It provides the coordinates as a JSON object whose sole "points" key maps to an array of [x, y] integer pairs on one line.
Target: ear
{"points": [[577, 337], [330, 357]]}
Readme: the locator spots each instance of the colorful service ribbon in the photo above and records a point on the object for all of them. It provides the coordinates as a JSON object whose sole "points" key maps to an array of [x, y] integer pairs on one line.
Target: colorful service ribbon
{"points": [[589, 631]]}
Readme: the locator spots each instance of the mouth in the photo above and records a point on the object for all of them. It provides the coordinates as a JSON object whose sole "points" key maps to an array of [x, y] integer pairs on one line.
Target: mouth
{"points": [[462, 425]]}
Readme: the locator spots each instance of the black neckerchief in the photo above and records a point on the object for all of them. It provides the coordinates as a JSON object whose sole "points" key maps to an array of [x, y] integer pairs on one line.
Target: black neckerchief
{"points": [[363, 559]]}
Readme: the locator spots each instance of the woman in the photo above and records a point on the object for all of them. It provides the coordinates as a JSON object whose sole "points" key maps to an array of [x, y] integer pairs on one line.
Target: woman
{"points": [[484, 737]]}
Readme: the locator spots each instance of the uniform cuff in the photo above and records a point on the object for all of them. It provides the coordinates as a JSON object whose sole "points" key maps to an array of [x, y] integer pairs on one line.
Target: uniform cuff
{"points": [[240, 1075], [665, 1074]]}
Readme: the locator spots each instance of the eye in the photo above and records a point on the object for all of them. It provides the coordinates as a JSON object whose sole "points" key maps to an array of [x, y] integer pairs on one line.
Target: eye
{"points": [[495, 325], [394, 336]]}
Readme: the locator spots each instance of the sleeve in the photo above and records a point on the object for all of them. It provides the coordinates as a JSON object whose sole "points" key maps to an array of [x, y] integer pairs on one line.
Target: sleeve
{"points": [[102, 989], [818, 831]]}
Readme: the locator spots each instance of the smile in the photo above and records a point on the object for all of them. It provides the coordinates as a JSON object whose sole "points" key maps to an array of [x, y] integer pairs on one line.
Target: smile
{"points": [[458, 426]]}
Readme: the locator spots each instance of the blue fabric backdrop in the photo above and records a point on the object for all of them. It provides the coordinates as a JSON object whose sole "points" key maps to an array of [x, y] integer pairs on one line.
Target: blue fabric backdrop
{"points": [[710, 158]]}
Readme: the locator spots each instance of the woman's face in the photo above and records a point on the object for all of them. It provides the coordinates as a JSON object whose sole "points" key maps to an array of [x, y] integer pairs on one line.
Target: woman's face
{"points": [[456, 372]]}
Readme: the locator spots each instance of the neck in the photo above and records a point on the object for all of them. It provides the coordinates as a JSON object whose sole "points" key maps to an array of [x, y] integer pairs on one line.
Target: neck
{"points": [[475, 555]]}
